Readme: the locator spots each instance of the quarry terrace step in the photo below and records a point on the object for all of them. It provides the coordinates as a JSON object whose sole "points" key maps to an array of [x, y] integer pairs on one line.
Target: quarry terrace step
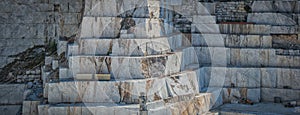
{"points": [[232, 40], [288, 6], [249, 29], [123, 91], [262, 77], [244, 57], [282, 19], [111, 27], [126, 46], [198, 104], [134, 66]]}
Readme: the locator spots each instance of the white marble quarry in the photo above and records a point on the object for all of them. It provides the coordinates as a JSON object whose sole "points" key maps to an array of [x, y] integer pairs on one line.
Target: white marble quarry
{"points": [[100, 27], [114, 8], [247, 57], [95, 46], [122, 67], [235, 41], [239, 77], [189, 59], [90, 109], [62, 47], [250, 77], [11, 94], [284, 30], [231, 95], [205, 8], [245, 29], [275, 6], [199, 19], [271, 19], [268, 94], [65, 73], [199, 104], [205, 28], [73, 49], [140, 47], [123, 91]]}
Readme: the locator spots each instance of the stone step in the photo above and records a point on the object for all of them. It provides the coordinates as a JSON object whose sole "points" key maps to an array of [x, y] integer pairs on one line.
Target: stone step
{"points": [[284, 30], [127, 47], [278, 19], [248, 29], [89, 108], [249, 77], [233, 95], [268, 94], [245, 57], [287, 6], [256, 109], [235, 28], [199, 104], [232, 40], [286, 52], [109, 27], [123, 91], [123, 67]]}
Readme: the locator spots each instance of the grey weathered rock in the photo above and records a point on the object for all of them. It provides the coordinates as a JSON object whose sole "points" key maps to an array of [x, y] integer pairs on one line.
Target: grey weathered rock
{"points": [[12, 93], [10, 109]]}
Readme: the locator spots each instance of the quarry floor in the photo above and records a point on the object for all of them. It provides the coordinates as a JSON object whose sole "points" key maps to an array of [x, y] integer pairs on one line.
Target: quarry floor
{"points": [[256, 109]]}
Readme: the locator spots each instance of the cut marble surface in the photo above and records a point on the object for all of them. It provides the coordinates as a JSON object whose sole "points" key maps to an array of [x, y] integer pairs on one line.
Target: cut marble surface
{"points": [[123, 91], [268, 94], [198, 104], [100, 27], [246, 57], [240, 77], [129, 67], [271, 19], [250, 77], [199, 19]]}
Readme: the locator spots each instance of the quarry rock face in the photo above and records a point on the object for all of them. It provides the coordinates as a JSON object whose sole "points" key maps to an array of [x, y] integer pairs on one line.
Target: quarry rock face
{"points": [[146, 56]]}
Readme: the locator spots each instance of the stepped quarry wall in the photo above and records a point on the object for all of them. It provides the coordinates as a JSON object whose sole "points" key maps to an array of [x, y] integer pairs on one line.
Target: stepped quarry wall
{"points": [[234, 50]]}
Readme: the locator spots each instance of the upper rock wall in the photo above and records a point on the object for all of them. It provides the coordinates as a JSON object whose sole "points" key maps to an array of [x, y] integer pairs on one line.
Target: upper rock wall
{"points": [[28, 23]]}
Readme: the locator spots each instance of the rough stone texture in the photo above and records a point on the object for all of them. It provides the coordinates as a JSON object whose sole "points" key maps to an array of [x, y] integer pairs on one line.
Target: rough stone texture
{"points": [[25, 25], [231, 11], [12, 94], [10, 109], [199, 104]]}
